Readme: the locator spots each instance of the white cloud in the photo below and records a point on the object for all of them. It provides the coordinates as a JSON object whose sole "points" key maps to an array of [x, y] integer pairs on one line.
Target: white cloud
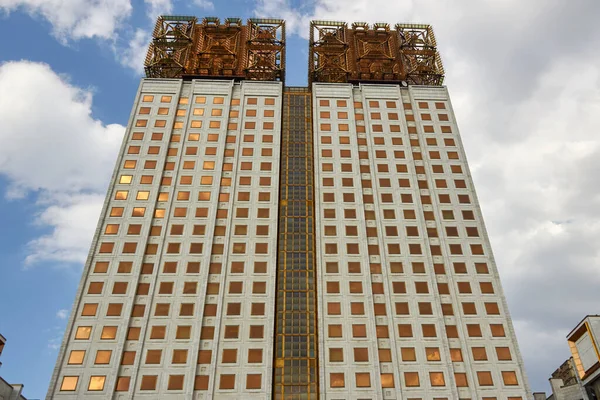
{"points": [[62, 314], [526, 99], [156, 8], [75, 19], [134, 55], [205, 4], [54, 149]]}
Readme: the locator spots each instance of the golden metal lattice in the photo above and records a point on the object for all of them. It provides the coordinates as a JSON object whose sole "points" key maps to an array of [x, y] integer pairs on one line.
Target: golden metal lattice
{"points": [[363, 53], [183, 48]]}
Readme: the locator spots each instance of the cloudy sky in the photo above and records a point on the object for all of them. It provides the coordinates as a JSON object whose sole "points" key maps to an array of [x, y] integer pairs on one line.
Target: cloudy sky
{"points": [[524, 77]]}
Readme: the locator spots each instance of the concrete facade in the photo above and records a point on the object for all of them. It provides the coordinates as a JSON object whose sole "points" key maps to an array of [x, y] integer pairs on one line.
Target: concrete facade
{"points": [[408, 289], [178, 292]]}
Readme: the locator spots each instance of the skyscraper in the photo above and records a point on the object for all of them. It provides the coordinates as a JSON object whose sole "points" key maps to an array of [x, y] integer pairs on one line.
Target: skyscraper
{"points": [[262, 241]]}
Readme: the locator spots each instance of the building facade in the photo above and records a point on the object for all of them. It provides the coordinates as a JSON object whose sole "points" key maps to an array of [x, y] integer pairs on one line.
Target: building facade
{"points": [[261, 241], [9, 391], [584, 342]]}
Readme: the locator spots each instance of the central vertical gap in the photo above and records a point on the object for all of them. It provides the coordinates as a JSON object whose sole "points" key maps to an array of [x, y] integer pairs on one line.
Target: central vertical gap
{"points": [[295, 374]]}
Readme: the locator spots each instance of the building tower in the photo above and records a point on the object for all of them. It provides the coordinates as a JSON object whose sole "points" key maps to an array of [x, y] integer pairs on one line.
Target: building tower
{"points": [[261, 241]]}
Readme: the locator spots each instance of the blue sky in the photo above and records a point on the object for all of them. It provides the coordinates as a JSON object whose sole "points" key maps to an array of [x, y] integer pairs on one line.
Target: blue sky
{"points": [[525, 94]]}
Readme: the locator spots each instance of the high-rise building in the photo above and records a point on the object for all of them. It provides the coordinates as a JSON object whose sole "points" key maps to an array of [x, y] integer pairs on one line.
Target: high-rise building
{"points": [[261, 241]]}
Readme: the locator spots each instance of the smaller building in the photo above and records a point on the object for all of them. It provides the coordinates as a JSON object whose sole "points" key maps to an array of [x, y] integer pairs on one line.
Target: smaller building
{"points": [[9, 391], [565, 384], [584, 343]]}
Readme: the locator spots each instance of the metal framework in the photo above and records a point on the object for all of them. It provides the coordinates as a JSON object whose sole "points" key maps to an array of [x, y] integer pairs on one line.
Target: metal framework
{"points": [[420, 58], [296, 372], [172, 44], [183, 48], [265, 51], [363, 53], [328, 55]]}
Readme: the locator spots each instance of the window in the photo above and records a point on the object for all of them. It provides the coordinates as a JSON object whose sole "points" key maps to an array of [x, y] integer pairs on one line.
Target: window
{"points": [[179, 356], [69, 383], [149, 382], [253, 381], [336, 380], [103, 357], [227, 381], [108, 332], [83, 332], [76, 357], [255, 355], [123, 384], [96, 383], [175, 382], [411, 379], [485, 378]]}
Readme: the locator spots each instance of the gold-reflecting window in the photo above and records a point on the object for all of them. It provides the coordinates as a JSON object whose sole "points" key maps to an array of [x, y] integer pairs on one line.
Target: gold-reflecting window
{"points": [[108, 332], [432, 353], [96, 383], [121, 195], [227, 381], [165, 99], [111, 229], [175, 382], [149, 382], [153, 356], [69, 383], [103, 357], [83, 332], [479, 353], [89, 309], [158, 332], [503, 354], [385, 355], [485, 378], [163, 111], [359, 330], [361, 354], [147, 98], [179, 356], [461, 379], [123, 384], [76, 357], [405, 330], [437, 379], [229, 356], [456, 355], [336, 380], [142, 195], [334, 331], [130, 164], [183, 195], [138, 211], [160, 123], [411, 379], [510, 378], [363, 379], [125, 179]]}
